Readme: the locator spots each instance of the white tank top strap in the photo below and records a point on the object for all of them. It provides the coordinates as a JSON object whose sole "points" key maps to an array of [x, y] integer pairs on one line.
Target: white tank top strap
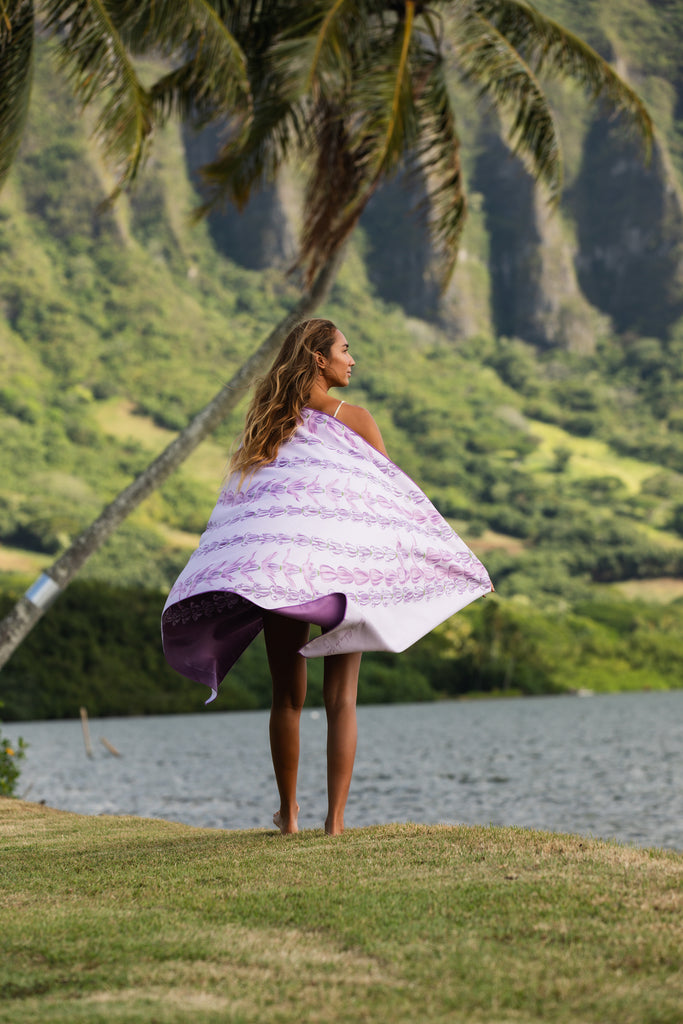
{"points": [[334, 415]]}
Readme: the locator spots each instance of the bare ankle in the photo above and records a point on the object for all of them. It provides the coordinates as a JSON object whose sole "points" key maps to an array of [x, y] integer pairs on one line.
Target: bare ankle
{"points": [[286, 819], [334, 826]]}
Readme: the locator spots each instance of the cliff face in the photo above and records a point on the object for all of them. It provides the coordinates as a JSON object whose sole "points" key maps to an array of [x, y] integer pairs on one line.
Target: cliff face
{"points": [[398, 252], [612, 253], [629, 225], [264, 233], [535, 293]]}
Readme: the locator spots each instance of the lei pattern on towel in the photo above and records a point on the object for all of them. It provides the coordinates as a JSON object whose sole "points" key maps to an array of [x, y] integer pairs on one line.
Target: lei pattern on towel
{"points": [[336, 499]]}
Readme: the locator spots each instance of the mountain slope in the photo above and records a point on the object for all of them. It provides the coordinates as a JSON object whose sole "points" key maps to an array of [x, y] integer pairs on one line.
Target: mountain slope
{"points": [[538, 402]]}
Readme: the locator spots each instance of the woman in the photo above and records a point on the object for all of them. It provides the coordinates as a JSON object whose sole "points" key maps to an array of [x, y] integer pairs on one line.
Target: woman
{"points": [[314, 525]]}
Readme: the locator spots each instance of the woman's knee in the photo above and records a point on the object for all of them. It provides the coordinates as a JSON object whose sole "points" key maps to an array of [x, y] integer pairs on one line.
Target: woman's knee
{"points": [[286, 698], [340, 688]]}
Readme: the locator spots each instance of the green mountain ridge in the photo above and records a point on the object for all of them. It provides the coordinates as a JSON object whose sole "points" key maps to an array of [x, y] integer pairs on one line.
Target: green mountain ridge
{"points": [[539, 402]]}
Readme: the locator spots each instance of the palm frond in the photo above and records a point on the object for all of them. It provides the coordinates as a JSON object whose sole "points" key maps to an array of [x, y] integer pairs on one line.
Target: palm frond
{"points": [[364, 135], [379, 110], [253, 152], [248, 160], [323, 45], [359, 138], [16, 69], [437, 159], [211, 78], [337, 191], [93, 54], [309, 58], [294, 56], [552, 50], [487, 58], [328, 38], [394, 122]]}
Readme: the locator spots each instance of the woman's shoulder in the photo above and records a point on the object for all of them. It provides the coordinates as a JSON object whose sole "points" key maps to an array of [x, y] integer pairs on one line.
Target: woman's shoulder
{"points": [[354, 414], [362, 421]]}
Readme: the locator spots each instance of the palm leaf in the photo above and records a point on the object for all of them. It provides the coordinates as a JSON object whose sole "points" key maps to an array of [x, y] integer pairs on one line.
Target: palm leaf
{"points": [[253, 150], [361, 136], [437, 159], [386, 89], [92, 52], [211, 79], [248, 160], [337, 190], [16, 67], [552, 50], [323, 45], [487, 58], [379, 119], [329, 36], [294, 71]]}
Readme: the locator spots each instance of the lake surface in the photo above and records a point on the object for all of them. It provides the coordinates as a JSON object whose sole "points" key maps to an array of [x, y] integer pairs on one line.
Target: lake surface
{"points": [[606, 766]]}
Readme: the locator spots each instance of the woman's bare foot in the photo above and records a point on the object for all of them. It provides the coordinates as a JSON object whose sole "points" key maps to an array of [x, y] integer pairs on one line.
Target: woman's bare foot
{"points": [[287, 825], [333, 828]]}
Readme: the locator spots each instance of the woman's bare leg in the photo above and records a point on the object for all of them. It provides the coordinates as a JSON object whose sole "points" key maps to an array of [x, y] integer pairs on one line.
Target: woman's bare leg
{"points": [[284, 637], [340, 689]]}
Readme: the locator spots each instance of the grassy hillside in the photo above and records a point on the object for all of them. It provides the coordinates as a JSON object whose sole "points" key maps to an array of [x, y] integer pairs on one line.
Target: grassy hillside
{"points": [[130, 920], [562, 466]]}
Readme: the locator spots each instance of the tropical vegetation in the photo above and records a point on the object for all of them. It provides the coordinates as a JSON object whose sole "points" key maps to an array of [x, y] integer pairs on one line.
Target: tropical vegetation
{"points": [[561, 467], [10, 755], [359, 89]]}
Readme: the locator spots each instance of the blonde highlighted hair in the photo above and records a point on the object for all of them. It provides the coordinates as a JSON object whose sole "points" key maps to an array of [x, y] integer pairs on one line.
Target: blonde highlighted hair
{"points": [[280, 396]]}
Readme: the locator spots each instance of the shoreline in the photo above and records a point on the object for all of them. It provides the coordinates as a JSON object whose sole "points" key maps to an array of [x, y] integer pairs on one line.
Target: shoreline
{"points": [[461, 698]]}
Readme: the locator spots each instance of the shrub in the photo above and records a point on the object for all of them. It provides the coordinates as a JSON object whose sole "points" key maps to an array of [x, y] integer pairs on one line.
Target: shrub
{"points": [[10, 754], [677, 520]]}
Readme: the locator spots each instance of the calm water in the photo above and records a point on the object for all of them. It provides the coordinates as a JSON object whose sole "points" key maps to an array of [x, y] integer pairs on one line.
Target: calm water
{"points": [[608, 766]]}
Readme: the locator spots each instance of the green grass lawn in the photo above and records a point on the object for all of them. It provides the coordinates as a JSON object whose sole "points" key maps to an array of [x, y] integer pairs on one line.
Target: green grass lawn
{"points": [[117, 418], [19, 560], [656, 591], [126, 919], [589, 457]]}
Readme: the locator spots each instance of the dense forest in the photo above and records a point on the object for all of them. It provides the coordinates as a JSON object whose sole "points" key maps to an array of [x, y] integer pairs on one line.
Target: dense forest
{"points": [[539, 401]]}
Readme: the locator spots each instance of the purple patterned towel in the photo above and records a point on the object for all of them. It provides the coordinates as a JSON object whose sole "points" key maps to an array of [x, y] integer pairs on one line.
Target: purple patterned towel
{"points": [[331, 531]]}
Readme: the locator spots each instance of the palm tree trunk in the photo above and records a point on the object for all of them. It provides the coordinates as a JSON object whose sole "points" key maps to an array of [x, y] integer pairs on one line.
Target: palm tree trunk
{"points": [[31, 607]]}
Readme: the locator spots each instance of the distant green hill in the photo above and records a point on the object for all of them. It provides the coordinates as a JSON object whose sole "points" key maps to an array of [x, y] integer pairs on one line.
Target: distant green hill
{"points": [[539, 402]]}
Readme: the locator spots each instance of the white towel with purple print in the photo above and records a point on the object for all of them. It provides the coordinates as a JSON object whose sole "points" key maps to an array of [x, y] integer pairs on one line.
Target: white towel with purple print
{"points": [[331, 531]]}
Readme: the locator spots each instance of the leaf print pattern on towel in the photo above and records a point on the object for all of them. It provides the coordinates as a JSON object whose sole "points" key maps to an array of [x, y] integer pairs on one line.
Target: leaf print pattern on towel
{"points": [[332, 515]]}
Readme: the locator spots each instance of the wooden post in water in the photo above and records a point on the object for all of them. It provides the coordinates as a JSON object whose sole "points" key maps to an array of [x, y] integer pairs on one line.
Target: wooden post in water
{"points": [[110, 747], [86, 732]]}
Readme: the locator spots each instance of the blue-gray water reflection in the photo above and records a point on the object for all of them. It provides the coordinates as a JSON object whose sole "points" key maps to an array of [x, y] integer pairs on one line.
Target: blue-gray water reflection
{"points": [[608, 766]]}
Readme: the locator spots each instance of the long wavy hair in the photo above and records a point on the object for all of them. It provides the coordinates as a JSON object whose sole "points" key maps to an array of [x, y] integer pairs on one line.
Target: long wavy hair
{"points": [[280, 396]]}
